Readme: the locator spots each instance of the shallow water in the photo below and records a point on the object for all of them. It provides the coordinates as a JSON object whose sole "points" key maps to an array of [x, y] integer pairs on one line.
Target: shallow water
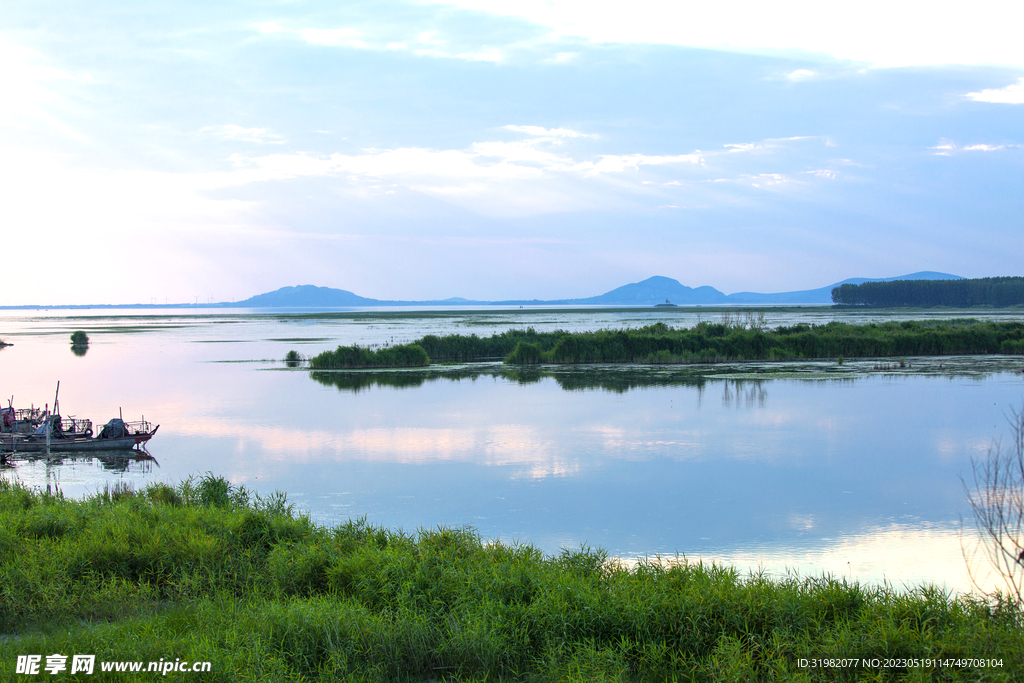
{"points": [[854, 469]]}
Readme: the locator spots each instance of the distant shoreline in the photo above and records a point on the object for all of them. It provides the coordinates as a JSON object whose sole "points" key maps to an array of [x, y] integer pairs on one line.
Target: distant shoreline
{"points": [[424, 305], [484, 307], [654, 291]]}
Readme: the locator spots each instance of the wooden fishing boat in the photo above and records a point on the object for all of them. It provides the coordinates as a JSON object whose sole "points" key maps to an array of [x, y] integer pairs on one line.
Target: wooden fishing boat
{"points": [[33, 430], [73, 435]]}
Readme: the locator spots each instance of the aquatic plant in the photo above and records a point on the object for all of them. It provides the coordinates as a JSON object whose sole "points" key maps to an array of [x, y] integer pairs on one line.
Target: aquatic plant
{"points": [[79, 338], [463, 348], [525, 353], [293, 359], [348, 357], [729, 339]]}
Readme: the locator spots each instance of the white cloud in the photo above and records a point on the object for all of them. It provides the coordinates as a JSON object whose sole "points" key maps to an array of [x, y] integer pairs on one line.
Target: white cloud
{"points": [[526, 151], [345, 37], [356, 39], [498, 178], [800, 75], [948, 148], [540, 131], [1011, 94], [427, 37], [335, 36], [535, 174], [482, 161], [771, 144], [561, 58], [620, 163], [487, 55], [768, 179], [268, 27], [881, 32], [233, 132]]}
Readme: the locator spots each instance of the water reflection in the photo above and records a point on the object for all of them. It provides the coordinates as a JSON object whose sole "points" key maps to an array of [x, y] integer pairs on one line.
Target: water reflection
{"points": [[79, 349], [360, 381], [903, 555], [78, 474], [111, 461], [613, 379], [747, 393], [624, 378]]}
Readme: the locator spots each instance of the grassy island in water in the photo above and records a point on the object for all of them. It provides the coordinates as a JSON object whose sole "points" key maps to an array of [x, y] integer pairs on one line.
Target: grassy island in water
{"points": [[706, 342], [208, 572]]}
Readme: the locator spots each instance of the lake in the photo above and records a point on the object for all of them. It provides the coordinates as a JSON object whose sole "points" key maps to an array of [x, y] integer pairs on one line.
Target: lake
{"points": [[852, 470]]}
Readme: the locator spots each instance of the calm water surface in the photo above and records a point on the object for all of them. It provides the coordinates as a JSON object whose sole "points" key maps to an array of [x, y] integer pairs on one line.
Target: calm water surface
{"points": [[850, 470]]}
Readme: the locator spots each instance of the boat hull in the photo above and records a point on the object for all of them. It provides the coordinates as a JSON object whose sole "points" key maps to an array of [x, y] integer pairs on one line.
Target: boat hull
{"points": [[36, 445]]}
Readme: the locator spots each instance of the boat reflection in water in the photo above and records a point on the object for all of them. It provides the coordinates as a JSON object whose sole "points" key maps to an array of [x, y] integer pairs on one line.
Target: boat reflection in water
{"points": [[77, 474], [122, 461]]}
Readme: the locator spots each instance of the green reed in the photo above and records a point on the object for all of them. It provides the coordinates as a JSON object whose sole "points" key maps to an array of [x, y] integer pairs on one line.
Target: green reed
{"points": [[350, 357], [730, 339]]}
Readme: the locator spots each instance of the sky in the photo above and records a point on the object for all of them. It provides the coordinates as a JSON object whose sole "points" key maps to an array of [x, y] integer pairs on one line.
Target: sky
{"points": [[210, 151]]}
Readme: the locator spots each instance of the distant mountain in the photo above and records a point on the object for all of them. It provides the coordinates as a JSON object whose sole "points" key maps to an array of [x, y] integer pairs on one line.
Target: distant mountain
{"points": [[653, 290], [306, 296], [657, 290]]}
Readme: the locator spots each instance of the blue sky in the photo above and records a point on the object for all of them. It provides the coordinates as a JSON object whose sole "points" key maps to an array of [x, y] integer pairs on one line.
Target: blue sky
{"points": [[503, 149]]}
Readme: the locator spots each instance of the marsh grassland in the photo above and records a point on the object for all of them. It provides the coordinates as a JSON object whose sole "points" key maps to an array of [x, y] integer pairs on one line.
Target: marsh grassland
{"points": [[727, 340], [206, 571]]}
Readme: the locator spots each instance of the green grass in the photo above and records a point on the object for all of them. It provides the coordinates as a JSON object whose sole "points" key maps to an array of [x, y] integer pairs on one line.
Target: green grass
{"points": [[208, 571]]}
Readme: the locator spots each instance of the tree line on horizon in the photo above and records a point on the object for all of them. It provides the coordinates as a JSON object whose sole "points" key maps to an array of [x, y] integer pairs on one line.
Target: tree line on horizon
{"points": [[999, 292]]}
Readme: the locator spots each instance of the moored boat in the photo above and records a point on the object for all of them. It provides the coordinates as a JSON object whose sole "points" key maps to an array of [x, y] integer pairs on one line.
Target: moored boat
{"points": [[35, 430], [77, 435]]}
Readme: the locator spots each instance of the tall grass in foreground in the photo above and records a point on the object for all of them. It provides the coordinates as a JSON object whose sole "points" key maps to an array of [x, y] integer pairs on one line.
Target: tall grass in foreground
{"points": [[208, 571]]}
